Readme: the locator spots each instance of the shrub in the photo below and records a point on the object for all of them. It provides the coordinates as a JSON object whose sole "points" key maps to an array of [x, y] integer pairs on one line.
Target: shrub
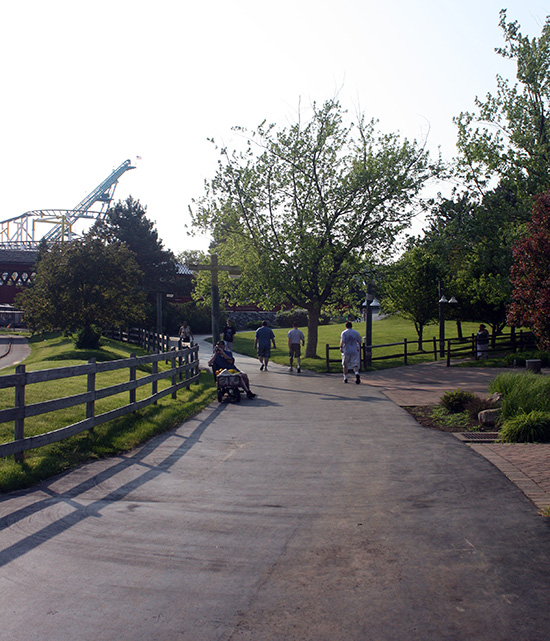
{"points": [[87, 337], [287, 318], [522, 392], [519, 358], [456, 401], [533, 427]]}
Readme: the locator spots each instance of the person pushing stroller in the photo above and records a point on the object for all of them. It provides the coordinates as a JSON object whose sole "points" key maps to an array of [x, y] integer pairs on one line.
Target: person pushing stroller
{"points": [[223, 359]]}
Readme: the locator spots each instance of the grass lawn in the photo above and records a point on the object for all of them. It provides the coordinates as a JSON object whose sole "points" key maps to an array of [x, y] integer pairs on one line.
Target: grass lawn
{"points": [[392, 329], [106, 440]]}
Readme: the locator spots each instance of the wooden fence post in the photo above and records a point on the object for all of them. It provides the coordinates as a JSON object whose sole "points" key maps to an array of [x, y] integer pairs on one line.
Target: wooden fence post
{"points": [[327, 356], [19, 423], [154, 386], [133, 372], [404, 351], [448, 352], [90, 405], [174, 376], [435, 349]]}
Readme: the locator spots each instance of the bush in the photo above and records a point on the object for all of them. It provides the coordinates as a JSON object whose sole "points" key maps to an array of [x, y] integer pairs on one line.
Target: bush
{"points": [[533, 427], [87, 337], [519, 358], [457, 401], [288, 318], [522, 392]]}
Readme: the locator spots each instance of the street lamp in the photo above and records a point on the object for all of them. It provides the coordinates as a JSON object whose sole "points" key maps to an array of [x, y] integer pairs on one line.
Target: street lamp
{"points": [[368, 319], [442, 301]]}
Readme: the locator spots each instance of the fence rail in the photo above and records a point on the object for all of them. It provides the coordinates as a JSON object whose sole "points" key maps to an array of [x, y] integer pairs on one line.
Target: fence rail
{"points": [[145, 338], [454, 348], [183, 370]]}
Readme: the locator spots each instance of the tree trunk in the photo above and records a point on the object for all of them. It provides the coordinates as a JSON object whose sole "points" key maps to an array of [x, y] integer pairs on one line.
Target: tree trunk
{"points": [[313, 314], [420, 333], [459, 330]]}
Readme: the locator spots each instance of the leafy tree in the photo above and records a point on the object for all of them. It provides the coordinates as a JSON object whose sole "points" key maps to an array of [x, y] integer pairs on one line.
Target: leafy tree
{"points": [[410, 287], [301, 206], [509, 137], [82, 285], [127, 223], [531, 275]]}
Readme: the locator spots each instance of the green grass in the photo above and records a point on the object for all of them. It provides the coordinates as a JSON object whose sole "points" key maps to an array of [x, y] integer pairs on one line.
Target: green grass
{"points": [[392, 329], [112, 438]]}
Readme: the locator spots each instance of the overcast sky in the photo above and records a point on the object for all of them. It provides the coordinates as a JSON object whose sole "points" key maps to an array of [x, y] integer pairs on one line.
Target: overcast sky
{"points": [[87, 85]]}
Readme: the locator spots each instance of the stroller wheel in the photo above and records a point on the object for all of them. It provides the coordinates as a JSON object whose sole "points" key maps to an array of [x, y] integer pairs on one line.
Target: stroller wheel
{"points": [[220, 396]]}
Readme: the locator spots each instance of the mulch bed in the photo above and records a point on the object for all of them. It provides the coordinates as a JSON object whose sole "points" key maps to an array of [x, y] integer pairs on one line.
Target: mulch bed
{"points": [[424, 415]]}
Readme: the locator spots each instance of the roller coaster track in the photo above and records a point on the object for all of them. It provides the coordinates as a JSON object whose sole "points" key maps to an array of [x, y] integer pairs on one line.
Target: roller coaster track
{"points": [[21, 232]]}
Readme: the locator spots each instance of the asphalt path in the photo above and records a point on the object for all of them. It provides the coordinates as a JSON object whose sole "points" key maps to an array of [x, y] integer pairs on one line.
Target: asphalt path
{"points": [[13, 350], [317, 511]]}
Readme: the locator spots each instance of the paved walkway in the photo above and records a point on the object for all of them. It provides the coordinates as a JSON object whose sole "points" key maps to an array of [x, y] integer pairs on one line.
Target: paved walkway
{"points": [[316, 512]]}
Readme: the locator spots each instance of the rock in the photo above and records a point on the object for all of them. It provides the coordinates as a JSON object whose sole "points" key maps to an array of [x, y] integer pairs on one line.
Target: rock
{"points": [[488, 417]]}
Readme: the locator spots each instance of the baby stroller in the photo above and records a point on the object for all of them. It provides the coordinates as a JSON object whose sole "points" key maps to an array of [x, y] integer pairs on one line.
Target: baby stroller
{"points": [[229, 382]]}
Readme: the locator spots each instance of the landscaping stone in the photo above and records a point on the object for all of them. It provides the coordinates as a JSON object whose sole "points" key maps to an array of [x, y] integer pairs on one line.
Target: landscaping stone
{"points": [[488, 418]]}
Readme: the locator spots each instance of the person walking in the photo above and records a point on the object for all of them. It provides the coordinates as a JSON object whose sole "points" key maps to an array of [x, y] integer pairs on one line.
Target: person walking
{"points": [[482, 339], [296, 340], [228, 334], [262, 344], [350, 346], [185, 335]]}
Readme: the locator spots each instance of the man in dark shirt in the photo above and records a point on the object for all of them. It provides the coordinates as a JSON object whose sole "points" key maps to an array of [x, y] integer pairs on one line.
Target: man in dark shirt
{"points": [[223, 359]]}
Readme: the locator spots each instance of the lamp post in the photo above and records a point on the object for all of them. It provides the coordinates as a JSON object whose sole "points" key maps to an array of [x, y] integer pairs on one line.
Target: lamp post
{"points": [[442, 301], [214, 268], [368, 319]]}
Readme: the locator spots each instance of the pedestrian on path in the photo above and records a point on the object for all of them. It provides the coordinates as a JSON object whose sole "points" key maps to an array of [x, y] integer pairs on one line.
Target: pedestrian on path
{"points": [[228, 335], [223, 359], [185, 335], [350, 346], [296, 340], [262, 344], [482, 339]]}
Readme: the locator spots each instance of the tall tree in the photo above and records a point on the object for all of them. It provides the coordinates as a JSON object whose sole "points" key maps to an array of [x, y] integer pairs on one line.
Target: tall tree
{"points": [[410, 287], [509, 136], [83, 285], [302, 205], [531, 275], [126, 222]]}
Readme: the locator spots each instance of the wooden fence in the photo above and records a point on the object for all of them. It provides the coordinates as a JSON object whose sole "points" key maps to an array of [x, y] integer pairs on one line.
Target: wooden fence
{"points": [[183, 370], [143, 337], [454, 348]]}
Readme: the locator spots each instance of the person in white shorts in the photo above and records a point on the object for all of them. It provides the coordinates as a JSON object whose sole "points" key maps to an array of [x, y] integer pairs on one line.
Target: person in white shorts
{"points": [[350, 346], [296, 340]]}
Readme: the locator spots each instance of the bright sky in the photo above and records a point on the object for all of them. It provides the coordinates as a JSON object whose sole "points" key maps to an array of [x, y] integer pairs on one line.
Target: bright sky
{"points": [[86, 85]]}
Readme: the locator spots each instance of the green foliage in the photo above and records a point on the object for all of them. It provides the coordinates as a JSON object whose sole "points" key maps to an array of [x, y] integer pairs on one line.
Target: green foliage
{"points": [[410, 287], [518, 359], [456, 401], [302, 206], [82, 284], [522, 392], [288, 318], [88, 337], [509, 136], [532, 427]]}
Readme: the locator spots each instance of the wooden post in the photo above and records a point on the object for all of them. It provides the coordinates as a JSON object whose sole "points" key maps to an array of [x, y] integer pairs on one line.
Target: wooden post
{"points": [[90, 405], [19, 424], [405, 351], [154, 387], [435, 348], [328, 358], [174, 376], [448, 353], [133, 372]]}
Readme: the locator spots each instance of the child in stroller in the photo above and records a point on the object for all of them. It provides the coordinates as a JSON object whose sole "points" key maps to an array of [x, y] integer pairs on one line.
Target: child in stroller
{"points": [[229, 380]]}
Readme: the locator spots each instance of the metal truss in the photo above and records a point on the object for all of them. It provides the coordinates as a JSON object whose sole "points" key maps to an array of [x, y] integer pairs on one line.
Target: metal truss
{"points": [[24, 232]]}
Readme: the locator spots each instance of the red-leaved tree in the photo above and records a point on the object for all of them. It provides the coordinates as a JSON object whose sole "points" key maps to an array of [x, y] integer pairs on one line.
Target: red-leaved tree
{"points": [[530, 275]]}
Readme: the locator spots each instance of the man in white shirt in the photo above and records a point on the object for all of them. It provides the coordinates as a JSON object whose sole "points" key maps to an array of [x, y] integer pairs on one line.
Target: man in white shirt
{"points": [[296, 340], [350, 346]]}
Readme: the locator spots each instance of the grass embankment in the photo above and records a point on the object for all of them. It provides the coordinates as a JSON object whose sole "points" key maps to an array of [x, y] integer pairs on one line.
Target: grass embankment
{"points": [[392, 329], [112, 438]]}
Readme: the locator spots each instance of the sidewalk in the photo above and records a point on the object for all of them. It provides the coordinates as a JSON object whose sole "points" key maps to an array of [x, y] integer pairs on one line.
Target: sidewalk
{"points": [[317, 511]]}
